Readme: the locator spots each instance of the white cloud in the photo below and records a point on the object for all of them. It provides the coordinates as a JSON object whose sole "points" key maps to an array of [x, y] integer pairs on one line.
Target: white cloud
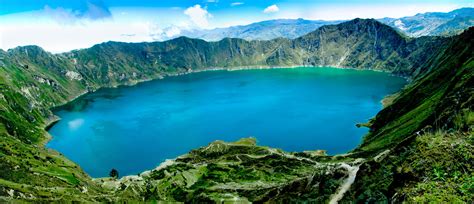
{"points": [[271, 9], [236, 3], [166, 33], [172, 31], [198, 15]]}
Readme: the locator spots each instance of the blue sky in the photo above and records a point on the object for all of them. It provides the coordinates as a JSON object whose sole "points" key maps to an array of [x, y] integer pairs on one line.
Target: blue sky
{"points": [[63, 25]]}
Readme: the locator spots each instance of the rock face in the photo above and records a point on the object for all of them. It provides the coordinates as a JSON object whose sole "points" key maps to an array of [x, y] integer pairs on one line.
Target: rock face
{"points": [[439, 99]]}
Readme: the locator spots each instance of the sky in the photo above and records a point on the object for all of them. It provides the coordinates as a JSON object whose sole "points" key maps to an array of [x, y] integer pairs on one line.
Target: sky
{"points": [[60, 26]]}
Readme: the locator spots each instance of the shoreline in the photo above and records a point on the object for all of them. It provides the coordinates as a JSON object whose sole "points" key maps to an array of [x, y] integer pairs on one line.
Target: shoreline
{"points": [[49, 122], [239, 68]]}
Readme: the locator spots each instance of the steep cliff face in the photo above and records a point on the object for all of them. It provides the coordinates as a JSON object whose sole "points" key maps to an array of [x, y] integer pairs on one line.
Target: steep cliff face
{"points": [[440, 98]]}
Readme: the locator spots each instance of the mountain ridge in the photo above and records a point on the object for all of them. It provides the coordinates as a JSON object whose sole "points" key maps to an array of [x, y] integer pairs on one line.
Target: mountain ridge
{"points": [[421, 24]]}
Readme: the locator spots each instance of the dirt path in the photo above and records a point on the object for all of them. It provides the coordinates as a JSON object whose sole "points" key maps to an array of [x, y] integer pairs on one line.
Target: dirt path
{"points": [[352, 173]]}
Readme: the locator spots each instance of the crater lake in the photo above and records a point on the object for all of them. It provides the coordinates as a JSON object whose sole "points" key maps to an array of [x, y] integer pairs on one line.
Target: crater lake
{"points": [[135, 128]]}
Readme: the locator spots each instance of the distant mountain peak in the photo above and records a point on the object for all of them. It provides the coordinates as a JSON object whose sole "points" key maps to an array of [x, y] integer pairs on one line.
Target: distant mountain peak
{"points": [[434, 23]]}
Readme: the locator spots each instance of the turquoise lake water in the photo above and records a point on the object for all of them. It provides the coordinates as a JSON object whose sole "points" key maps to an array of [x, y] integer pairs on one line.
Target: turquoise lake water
{"points": [[135, 128]]}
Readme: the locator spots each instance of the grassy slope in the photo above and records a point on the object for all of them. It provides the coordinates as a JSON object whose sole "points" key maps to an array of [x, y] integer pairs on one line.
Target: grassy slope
{"points": [[432, 100], [428, 130]]}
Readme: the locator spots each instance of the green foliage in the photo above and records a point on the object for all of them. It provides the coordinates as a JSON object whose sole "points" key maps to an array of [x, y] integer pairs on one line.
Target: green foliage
{"points": [[114, 173], [464, 120], [450, 157], [435, 167]]}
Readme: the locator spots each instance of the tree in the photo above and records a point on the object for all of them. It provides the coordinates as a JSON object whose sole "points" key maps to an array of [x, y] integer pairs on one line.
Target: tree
{"points": [[114, 173]]}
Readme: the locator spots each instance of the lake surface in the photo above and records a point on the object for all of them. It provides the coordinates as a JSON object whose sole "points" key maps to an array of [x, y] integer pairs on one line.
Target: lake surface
{"points": [[135, 128]]}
